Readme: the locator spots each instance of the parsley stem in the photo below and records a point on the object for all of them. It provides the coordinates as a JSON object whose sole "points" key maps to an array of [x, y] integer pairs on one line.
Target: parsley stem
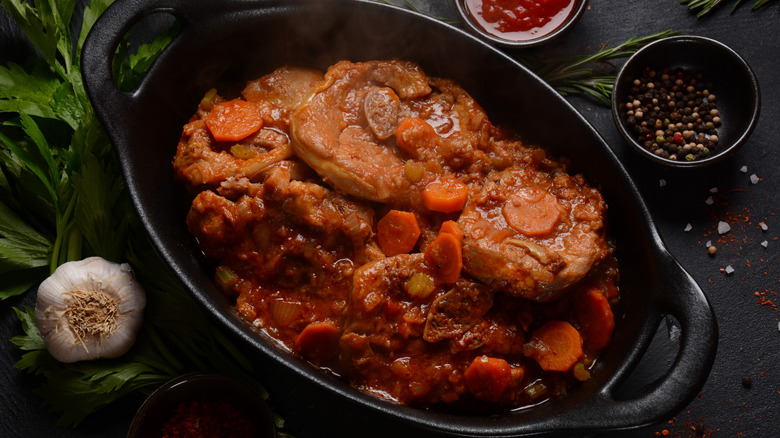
{"points": [[234, 352], [175, 365], [63, 224], [75, 244]]}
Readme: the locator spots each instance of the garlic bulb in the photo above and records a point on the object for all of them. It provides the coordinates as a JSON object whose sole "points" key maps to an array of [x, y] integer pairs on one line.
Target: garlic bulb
{"points": [[89, 309]]}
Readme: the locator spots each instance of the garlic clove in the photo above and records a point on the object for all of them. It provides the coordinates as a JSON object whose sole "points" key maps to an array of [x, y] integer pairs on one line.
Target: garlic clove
{"points": [[89, 309]]}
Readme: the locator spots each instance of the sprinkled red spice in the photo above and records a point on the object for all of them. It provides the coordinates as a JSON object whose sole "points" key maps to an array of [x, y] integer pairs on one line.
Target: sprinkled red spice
{"points": [[764, 301], [202, 419]]}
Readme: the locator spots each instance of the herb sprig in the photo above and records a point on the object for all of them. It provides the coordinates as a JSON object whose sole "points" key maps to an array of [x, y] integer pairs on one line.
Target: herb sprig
{"points": [[62, 198], [589, 75], [705, 6]]}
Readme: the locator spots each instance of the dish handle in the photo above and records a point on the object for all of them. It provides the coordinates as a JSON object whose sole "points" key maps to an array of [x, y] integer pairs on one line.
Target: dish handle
{"points": [[100, 46], [682, 298]]}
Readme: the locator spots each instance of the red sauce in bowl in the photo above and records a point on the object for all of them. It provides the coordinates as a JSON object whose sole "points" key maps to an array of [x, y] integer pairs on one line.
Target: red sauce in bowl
{"points": [[520, 20]]}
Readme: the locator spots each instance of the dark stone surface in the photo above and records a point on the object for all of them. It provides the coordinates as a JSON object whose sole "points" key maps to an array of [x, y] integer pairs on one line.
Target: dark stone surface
{"points": [[749, 343]]}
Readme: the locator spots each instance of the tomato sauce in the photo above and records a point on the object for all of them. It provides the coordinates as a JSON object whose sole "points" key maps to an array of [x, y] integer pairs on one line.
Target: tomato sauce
{"points": [[520, 20]]}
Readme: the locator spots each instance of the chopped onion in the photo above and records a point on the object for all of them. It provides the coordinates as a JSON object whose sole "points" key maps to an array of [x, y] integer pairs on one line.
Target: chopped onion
{"points": [[285, 312]]}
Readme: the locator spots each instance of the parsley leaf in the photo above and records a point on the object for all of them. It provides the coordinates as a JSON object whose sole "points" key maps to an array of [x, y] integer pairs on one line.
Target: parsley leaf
{"points": [[32, 92]]}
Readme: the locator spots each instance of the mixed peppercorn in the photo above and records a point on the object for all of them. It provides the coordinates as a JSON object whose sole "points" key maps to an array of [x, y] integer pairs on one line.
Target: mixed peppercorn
{"points": [[673, 114]]}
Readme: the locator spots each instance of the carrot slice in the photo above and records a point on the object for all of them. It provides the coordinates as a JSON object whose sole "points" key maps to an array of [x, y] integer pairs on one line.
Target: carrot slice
{"points": [[487, 378], [446, 195], [318, 342], [594, 318], [452, 227], [233, 120], [445, 258], [556, 346], [414, 133], [397, 232], [532, 212]]}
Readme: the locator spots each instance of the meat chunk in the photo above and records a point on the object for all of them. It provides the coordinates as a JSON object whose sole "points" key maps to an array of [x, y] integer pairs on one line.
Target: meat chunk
{"points": [[348, 131], [399, 335], [456, 311], [286, 88], [533, 233]]}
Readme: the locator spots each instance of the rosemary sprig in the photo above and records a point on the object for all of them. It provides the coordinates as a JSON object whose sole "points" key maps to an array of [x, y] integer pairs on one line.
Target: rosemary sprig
{"points": [[589, 75], [705, 6]]}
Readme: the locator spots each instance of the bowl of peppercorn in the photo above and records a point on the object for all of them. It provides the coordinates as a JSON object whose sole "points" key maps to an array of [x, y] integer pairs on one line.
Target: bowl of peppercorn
{"points": [[686, 101], [204, 404]]}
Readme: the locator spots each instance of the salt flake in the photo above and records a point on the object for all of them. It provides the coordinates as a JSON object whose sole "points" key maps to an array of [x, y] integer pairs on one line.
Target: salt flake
{"points": [[709, 200], [714, 190], [661, 182], [743, 169], [723, 227], [729, 270], [754, 179], [688, 227], [708, 244], [763, 226], [765, 244]]}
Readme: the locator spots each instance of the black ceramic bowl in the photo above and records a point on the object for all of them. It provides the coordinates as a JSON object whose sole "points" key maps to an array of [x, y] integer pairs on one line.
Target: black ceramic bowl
{"points": [[203, 388], [474, 24], [224, 44], [734, 84]]}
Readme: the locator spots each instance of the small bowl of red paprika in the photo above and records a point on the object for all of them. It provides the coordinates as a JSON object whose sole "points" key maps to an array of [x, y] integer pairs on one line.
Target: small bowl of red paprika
{"points": [[520, 23], [204, 404]]}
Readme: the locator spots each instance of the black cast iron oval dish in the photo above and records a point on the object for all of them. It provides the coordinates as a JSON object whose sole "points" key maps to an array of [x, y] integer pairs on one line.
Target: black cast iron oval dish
{"points": [[224, 44]]}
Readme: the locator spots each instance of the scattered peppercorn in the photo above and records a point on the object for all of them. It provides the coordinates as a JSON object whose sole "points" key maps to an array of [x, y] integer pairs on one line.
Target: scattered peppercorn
{"points": [[673, 114], [712, 250], [747, 382]]}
